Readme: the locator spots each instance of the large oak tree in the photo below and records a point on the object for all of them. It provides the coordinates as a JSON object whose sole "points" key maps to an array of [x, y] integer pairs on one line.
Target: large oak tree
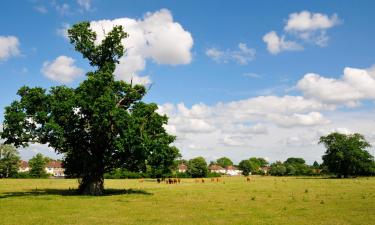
{"points": [[346, 155], [98, 126]]}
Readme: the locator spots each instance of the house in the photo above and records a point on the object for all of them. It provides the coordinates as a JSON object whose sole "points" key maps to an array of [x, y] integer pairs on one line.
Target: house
{"points": [[55, 168], [265, 169], [232, 171], [216, 169], [182, 168], [23, 166]]}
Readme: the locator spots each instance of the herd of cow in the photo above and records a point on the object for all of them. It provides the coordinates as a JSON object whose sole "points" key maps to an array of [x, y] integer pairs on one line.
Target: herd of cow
{"points": [[178, 180]]}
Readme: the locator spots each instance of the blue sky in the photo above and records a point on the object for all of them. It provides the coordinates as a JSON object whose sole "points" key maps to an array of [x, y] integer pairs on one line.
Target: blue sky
{"points": [[241, 78]]}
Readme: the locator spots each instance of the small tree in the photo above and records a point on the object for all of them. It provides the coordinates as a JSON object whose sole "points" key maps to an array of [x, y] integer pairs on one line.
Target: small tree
{"points": [[197, 167], [38, 166], [224, 162], [262, 162], [278, 169], [346, 155], [9, 161], [246, 167]]}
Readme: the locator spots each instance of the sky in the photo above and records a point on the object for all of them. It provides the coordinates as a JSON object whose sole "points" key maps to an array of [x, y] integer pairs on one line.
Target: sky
{"points": [[237, 78]]}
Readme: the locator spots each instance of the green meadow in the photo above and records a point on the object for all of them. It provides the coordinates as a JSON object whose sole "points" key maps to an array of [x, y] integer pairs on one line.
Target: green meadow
{"points": [[233, 200]]}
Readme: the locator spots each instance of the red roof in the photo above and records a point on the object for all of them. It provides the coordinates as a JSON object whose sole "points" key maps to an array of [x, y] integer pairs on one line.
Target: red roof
{"points": [[54, 164], [182, 167], [231, 168], [215, 167], [23, 164]]}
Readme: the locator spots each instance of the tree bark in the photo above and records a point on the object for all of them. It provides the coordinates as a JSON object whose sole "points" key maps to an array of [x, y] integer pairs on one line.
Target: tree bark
{"points": [[92, 185]]}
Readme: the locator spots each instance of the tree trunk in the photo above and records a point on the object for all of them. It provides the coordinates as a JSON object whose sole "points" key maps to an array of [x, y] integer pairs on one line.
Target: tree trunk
{"points": [[91, 185]]}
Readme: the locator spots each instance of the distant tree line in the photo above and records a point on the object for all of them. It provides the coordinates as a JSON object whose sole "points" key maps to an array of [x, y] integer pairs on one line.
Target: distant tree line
{"points": [[345, 156]]}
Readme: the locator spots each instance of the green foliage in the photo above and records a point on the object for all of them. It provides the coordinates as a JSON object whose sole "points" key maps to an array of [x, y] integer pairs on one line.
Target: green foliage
{"points": [[9, 160], [197, 167], [246, 167], [346, 155], [37, 166], [278, 169], [316, 165], [214, 174], [297, 166], [124, 174], [22, 175], [99, 126], [224, 162]]}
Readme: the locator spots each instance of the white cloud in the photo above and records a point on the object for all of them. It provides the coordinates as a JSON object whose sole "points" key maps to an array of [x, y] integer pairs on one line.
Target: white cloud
{"points": [[307, 21], [276, 44], [355, 85], [304, 26], [241, 56], [156, 37], [62, 9], [41, 9], [311, 27], [62, 69], [84, 4], [63, 31], [9, 46]]}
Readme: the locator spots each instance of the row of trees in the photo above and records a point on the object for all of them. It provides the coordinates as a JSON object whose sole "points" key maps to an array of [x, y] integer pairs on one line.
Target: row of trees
{"points": [[10, 162]]}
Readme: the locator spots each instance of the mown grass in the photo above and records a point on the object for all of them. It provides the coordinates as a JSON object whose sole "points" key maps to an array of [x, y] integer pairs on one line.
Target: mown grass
{"points": [[264, 200]]}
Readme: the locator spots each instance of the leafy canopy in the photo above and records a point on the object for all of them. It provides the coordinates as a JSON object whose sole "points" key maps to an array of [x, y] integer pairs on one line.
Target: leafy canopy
{"points": [[9, 161], [346, 155], [98, 126]]}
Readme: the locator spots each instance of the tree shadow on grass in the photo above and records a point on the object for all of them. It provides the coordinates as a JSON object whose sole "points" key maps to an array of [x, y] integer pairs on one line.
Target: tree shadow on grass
{"points": [[72, 192]]}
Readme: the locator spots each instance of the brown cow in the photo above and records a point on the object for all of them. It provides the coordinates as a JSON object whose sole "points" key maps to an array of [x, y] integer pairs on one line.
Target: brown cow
{"points": [[179, 180], [175, 181], [248, 179], [202, 180]]}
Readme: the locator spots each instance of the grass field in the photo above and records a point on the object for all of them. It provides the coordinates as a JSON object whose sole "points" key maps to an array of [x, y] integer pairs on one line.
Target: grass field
{"points": [[264, 200]]}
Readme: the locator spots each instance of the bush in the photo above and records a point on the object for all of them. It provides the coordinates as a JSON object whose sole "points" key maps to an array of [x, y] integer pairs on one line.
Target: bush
{"points": [[182, 175], [213, 174], [124, 174], [22, 175]]}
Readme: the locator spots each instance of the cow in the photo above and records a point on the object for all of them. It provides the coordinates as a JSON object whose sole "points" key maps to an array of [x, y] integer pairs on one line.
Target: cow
{"points": [[248, 179]]}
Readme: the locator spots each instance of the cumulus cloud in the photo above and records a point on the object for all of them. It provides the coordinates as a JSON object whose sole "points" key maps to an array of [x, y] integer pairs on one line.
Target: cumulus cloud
{"points": [[276, 44], [243, 55], [311, 27], [247, 116], [62, 69], [353, 86], [305, 27], [9, 47], [155, 37]]}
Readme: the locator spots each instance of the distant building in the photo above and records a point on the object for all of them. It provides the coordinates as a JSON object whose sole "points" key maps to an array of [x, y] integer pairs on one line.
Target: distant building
{"points": [[55, 168], [23, 166], [182, 168], [265, 169], [216, 169], [233, 171]]}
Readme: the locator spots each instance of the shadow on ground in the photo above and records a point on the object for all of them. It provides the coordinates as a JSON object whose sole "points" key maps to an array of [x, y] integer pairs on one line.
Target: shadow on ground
{"points": [[71, 192]]}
